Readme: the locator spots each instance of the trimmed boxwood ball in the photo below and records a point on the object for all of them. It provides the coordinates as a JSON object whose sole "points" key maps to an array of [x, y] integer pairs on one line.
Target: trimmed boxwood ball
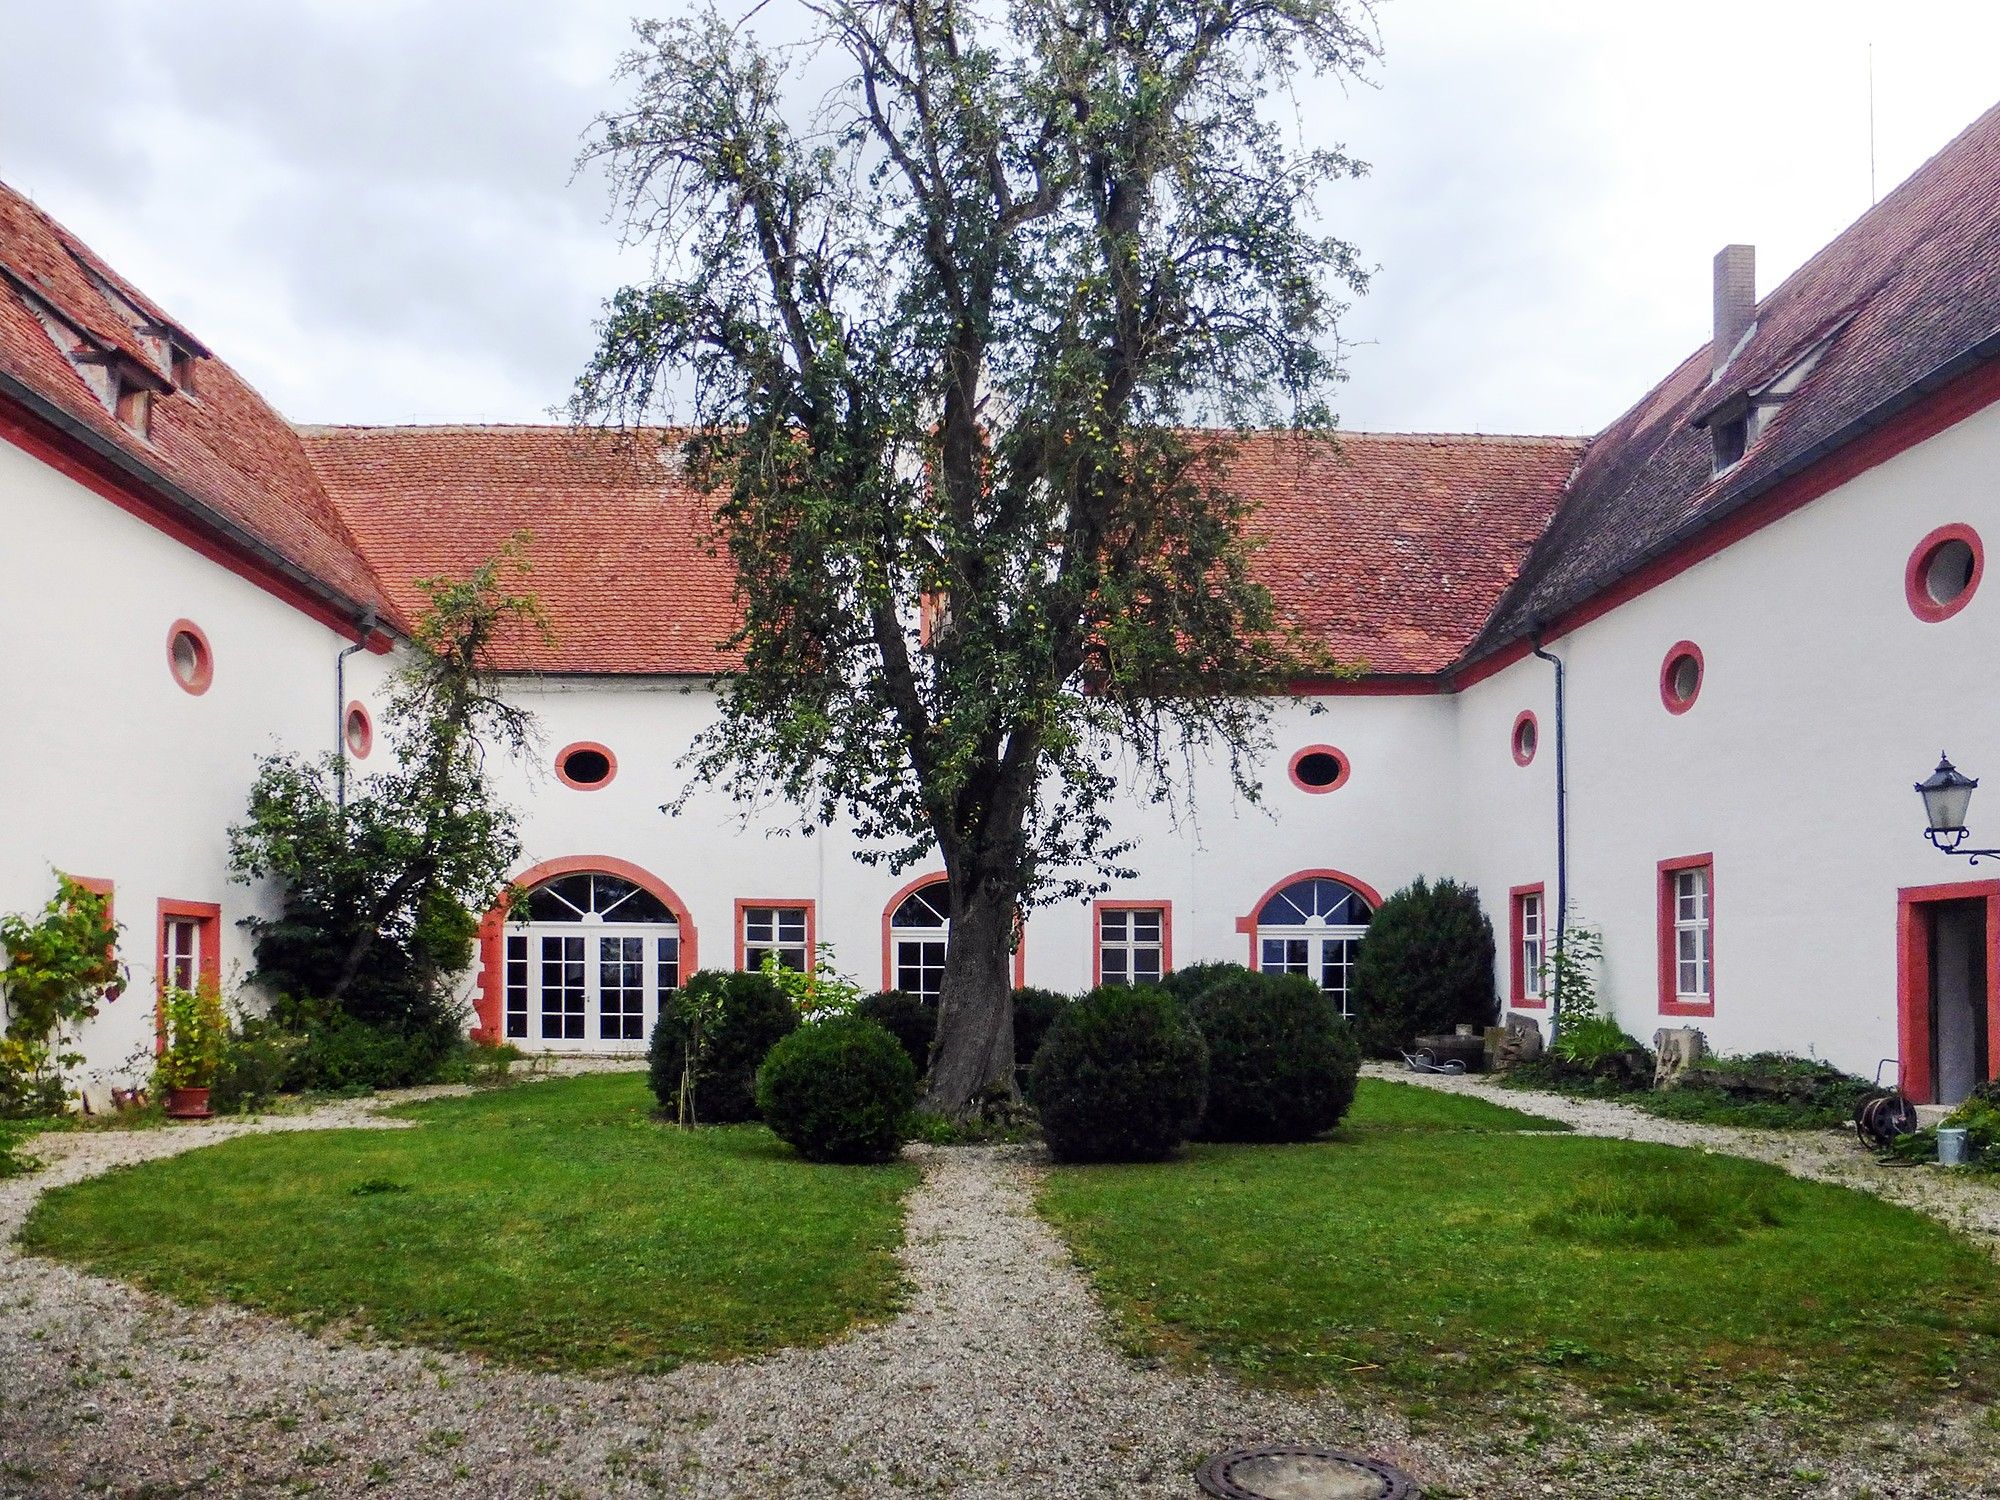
{"points": [[1425, 967], [755, 1015], [1187, 984], [839, 1090], [1121, 1076], [1035, 1011], [1281, 1061], [910, 1019]]}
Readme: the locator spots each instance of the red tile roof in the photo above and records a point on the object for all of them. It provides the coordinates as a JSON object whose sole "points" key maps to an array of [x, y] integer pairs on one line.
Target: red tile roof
{"points": [[1911, 289], [1391, 549], [222, 446], [617, 535], [1388, 549], [1409, 553]]}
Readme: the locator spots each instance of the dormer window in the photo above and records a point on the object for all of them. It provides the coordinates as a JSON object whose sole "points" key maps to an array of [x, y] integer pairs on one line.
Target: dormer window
{"points": [[134, 409], [183, 365], [1731, 437]]}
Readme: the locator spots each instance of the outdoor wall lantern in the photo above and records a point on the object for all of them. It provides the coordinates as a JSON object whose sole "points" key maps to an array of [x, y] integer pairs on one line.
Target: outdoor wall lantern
{"points": [[1947, 793]]}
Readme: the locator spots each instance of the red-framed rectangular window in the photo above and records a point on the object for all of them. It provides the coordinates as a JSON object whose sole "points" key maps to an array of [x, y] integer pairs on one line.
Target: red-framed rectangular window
{"points": [[786, 928], [188, 951], [1527, 941], [1131, 942], [1687, 935], [100, 887]]}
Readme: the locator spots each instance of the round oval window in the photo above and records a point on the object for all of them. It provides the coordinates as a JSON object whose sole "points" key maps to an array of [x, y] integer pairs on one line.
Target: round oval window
{"points": [[1943, 572], [1680, 677], [360, 732], [585, 765], [1319, 768], [1527, 736], [189, 658]]}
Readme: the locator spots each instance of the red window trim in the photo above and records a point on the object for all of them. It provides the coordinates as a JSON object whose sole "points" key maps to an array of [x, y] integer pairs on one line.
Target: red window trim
{"points": [[1166, 911], [744, 903], [563, 755], [1670, 1002], [1517, 983], [1913, 980], [1339, 781], [1248, 923], [208, 916], [357, 710], [491, 1000], [1675, 652], [906, 890], [1525, 716], [1915, 588], [98, 886], [204, 664]]}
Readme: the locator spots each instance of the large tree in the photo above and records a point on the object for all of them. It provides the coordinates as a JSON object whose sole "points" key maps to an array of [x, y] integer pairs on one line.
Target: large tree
{"points": [[936, 340]]}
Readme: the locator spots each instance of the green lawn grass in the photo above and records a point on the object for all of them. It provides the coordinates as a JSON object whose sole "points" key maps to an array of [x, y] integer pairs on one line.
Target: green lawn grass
{"points": [[1463, 1262], [553, 1225]]}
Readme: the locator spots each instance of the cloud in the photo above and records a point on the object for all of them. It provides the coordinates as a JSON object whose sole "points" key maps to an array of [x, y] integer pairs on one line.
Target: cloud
{"points": [[368, 205]]}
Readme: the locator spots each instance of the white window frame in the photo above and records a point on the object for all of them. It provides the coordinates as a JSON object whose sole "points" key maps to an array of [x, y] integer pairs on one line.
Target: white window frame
{"points": [[1133, 952], [785, 930], [1694, 935], [181, 952], [1534, 945]]}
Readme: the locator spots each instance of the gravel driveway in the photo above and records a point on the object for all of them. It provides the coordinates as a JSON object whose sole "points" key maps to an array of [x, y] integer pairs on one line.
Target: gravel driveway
{"points": [[998, 1379]]}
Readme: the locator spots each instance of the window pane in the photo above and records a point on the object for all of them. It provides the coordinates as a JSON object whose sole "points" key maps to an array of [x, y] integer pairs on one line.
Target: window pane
{"points": [[1111, 966], [1146, 965]]}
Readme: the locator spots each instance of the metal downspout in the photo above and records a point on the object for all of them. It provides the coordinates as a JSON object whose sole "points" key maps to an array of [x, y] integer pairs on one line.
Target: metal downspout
{"points": [[1562, 827]]}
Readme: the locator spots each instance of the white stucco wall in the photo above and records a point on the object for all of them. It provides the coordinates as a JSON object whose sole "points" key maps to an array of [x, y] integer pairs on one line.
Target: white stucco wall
{"points": [[110, 769], [1824, 699], [1212, 867]]}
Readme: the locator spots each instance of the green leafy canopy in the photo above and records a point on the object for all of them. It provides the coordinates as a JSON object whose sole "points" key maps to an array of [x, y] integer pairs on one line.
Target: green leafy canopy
{"points": [[939, 338]]}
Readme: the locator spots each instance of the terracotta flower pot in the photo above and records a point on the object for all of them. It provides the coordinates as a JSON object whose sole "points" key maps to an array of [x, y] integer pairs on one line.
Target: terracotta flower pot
{"points": [[188, 1104]]}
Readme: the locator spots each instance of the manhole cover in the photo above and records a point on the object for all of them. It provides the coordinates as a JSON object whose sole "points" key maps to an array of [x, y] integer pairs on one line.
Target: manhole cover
{"points": [[1303, 1474]]}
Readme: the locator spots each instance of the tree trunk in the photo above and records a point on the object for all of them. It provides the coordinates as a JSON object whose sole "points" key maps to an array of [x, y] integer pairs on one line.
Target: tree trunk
{"points": [[974, 1055]]}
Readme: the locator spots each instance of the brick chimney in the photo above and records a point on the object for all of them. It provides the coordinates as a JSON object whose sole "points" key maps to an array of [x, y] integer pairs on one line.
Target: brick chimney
{"points": [[1735, 301]]}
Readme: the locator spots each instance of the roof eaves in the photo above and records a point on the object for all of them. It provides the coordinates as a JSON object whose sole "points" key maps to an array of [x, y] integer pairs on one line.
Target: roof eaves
{"points": [[203, 515], [1488, 642]]}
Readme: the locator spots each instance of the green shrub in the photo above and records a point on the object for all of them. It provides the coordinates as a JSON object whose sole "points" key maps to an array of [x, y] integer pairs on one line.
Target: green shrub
{"points": [[339, 1053], [1035, 1011], [910, 1019], [750, 1015], [1121, 1076], [839, 1090], [1425, 967], [257, 1061], [1187, 984], [1281, 1061]]}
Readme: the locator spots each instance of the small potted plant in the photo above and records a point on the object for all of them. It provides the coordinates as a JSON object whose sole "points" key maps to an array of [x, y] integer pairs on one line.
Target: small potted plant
{"points": [[185, 1071]]}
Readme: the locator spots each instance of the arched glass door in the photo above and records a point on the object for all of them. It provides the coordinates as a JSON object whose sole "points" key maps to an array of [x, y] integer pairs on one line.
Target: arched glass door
{"points": [[918, 928], [1314, 927], [588, 968]]}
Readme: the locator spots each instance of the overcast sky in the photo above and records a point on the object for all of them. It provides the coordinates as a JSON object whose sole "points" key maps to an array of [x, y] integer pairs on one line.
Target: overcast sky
{"points": [[367, 205]]}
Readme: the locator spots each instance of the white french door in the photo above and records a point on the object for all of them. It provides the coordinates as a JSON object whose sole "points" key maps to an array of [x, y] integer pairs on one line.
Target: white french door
{"points": [[1326, 958], [585, 987]]}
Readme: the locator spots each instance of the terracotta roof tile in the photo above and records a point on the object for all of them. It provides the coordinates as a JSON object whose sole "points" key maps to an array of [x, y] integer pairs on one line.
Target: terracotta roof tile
{"points": [[222, 445], [1391, 549], [617, 535]]}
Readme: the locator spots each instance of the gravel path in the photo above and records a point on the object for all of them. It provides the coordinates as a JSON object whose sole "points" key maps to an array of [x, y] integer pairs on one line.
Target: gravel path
{"points": [[999, 1379], [1970, 1204]]}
